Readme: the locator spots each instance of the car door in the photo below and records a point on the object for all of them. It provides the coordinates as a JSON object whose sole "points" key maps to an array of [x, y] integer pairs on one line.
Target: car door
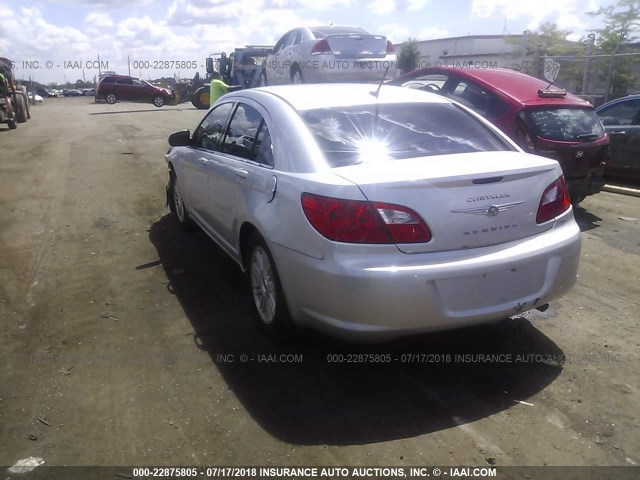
{"points": [[194, 174], [281, 63], [140, 91], [275, 62], [291, 53], [124, 88], [231, 178], [622, 123]]}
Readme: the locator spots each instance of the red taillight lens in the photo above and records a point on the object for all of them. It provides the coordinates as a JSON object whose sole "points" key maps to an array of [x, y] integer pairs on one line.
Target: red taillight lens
{"points": [[321, 48], [355, 221], [390, 47], [555, 201]]}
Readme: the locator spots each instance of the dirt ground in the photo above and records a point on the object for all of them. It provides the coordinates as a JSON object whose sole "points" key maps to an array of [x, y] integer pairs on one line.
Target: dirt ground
{"points": [[119, 331]]}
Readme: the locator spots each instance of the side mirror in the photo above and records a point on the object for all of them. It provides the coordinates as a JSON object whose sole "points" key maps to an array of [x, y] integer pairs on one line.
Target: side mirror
{"points": [[180, 139], [209, 65]]}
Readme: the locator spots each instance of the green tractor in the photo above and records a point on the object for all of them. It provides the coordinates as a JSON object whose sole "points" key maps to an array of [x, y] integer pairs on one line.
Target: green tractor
{"points": [[14, 101]]}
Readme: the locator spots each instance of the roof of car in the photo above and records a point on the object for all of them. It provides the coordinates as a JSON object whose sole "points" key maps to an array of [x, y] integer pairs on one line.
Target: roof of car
{"points": [[520, 87], [311, 96], [633, 96]]}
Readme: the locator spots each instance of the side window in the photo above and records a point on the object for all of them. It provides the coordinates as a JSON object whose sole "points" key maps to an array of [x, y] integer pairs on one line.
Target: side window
{"points": [[431, 82], [478, 99], [623, 113], [291, 39], [264, 149], [209, 133], [138, 83], [280, 45], [124, 81], [106, 80], [242, 133]]}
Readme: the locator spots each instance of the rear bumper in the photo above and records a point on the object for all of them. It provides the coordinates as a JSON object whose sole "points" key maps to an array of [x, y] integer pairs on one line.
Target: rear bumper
{"points": [[392, 295]]}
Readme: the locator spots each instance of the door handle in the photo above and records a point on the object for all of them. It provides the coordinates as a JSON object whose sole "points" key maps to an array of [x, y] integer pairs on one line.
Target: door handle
{"points": [[618, 132], [241, 172], [202, 160]]}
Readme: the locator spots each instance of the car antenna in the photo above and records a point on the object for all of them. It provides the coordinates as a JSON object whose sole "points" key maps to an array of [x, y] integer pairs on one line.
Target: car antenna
{"points": [[377, 92]]}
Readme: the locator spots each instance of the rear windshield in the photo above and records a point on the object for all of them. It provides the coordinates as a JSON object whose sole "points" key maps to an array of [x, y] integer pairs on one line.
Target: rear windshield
{"points": [[359, 134], [320, 32], [565, 124]]}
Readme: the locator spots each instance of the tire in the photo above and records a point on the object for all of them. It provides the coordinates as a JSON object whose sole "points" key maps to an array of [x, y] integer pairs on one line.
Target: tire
{"points": [[12, 124], [111, 98], [263, 79], [269, 305], [21, 109], [200, 99], [296, 76], [177, 206], [158, 101]]}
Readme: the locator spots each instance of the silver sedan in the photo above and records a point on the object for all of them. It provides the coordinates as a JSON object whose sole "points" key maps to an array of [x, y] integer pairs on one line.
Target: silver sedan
{"points": [[374, 214], [330, 54]]}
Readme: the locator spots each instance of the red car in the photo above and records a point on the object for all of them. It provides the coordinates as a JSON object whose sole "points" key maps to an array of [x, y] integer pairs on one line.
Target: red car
{"points": [[114, 88], [541, 118]]}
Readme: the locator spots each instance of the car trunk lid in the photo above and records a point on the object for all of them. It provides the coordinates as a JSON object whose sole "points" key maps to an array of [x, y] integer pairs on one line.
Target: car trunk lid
{"points": [[467, 200], [358, 46]]}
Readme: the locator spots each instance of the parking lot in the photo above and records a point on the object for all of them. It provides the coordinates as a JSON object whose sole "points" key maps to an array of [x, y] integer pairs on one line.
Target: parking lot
{"points": [[128, 342]]}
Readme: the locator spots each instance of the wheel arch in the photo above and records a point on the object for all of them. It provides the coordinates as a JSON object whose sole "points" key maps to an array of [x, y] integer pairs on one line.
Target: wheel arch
{"points": [[247, 230], [293, 68]]}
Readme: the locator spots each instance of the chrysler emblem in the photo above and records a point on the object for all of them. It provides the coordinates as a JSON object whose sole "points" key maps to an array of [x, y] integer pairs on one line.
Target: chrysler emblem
{"points": [[580, 154], [489, 211]]}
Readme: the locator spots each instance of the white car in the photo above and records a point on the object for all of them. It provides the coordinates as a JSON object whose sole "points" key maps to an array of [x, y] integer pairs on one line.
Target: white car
{"points": [[330, 54], [374, 213]]}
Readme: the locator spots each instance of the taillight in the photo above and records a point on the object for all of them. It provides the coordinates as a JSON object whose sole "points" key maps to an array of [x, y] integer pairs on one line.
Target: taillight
{"points": [[356, 221], [390, 47], [555, 201], [321, 48]]}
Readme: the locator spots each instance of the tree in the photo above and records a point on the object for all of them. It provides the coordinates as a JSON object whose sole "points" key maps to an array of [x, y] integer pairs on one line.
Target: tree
{"points": [[621, 26], [549, 41], [409, 56]]}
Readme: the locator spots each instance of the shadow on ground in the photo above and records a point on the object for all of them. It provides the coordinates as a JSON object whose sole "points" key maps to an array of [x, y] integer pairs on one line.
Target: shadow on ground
{"points": [[426, 387], [146, 110], [585, 219]]}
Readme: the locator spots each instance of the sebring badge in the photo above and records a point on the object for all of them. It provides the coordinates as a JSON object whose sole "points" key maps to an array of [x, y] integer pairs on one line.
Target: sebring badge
{"points": [[489, 211]]}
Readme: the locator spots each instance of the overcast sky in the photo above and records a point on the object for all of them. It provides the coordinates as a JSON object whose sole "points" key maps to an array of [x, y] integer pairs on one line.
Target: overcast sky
{"points": [[77, 31]]}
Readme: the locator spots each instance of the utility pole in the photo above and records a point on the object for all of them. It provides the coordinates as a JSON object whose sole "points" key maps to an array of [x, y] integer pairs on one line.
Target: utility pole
{"points": [[525, 51], [586, 75], [610, 73]]}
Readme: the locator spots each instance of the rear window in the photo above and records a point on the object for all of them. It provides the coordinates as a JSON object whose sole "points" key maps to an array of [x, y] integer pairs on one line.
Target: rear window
{"points": [[564, 124], [359, 134], [320, 32]]}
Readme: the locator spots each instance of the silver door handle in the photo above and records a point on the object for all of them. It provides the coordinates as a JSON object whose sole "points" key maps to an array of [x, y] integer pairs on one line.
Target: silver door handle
{"points": [[241, 172], [619, 132]]}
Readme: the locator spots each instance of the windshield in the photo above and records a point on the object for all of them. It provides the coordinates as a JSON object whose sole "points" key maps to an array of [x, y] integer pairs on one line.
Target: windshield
{"points": [[565, 124], [359, 134]]}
